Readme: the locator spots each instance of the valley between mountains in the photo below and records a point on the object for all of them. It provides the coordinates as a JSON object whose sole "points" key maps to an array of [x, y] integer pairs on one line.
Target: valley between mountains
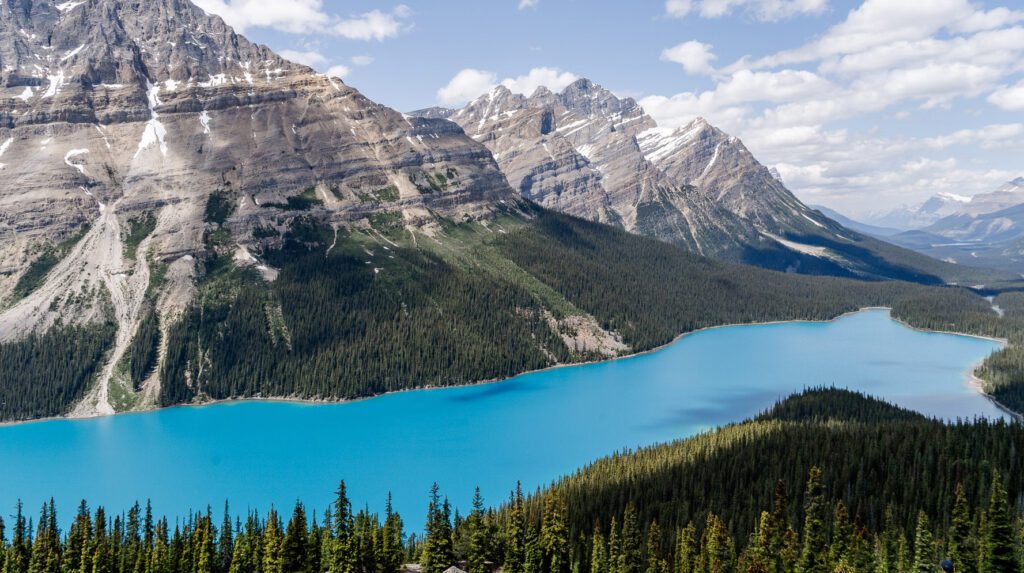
{"points": [[187, 216]]}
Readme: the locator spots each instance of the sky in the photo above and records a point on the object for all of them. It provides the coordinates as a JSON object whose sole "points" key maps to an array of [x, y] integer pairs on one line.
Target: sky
{"points": [[861, 105]]}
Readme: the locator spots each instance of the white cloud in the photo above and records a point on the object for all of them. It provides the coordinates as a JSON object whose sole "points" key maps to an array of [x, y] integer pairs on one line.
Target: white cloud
{"points": [[551, 78], [524, 4], [362, 60], [338, 71], [678, 8], [884, 22], [818, 111], [466, 85], [694, 56], [765, 10], [293, 16], [1010, 98], [315, 59], [308, 16], [732, 100], [470, 83], [310, 58], [374, 25]]}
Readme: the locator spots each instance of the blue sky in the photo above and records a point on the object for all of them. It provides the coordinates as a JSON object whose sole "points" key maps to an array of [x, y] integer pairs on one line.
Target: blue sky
{"points": [[860, 105]]}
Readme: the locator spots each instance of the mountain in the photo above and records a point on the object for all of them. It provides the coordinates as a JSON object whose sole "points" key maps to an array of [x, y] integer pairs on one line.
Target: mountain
{"points": [[138, 141], [189, 217], [987, 230], [987, 217], [908, 217], [590, 154], [880, 232], [943, 205], [1010, 194], [577, 152]]}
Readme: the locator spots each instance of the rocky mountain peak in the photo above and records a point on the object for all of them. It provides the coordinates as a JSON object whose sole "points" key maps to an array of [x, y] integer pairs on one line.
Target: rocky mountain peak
{"points": [[119, 111], [78, 60], [587, 98], [590, 153]]}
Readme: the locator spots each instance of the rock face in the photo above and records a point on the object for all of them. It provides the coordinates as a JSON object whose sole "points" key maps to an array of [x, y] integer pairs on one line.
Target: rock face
{"points": [[115, 109], [578, 152], [586, 152]]}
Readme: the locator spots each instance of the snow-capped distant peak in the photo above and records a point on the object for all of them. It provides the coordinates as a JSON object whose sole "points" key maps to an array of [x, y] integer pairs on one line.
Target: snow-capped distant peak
{"points": [[954, 197], [1012, 185]]}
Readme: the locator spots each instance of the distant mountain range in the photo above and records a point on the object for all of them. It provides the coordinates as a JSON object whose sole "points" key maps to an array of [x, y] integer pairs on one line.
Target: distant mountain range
{"points": [[985, 230], [942, 205]]}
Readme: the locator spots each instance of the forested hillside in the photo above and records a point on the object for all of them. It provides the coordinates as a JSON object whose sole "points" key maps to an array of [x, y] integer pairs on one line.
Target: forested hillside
{"points": [[358, 313], [350, 311], [863, 486]]}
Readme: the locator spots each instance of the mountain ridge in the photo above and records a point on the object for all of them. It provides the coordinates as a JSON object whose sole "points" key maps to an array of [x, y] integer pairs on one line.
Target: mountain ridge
{"points": [[217, 227], [588, 153], [159, 108], [986, 229]]}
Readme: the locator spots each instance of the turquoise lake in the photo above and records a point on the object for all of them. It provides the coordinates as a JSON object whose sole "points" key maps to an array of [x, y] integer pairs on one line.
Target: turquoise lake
{"points": [[532, 428]]}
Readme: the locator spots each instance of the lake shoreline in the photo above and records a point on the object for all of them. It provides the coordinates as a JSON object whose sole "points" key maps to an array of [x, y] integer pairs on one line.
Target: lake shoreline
{"points": [[327, 401]]}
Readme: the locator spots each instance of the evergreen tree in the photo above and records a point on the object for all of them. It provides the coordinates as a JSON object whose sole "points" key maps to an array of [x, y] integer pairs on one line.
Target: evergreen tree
{"points": [[686, 553], [342, 553], [631, 545], [554, 535], [534, 553], [481, 540], [18, 554], [717, 547], [904, 555], [924, 547], [78, 540], [102, 553], [814, 555], [515, 534], [46, 549], [962, 549], [790, 550], [204, 552], [655, 561], [391, 553], [294, 549], [842, 533], [760, 554], [438, 551], [159, 561], [225, 542], [859, 556], [314, 551], [887, 545], [364, 535], [273, 544], [1000, 550], [614, 547], [598, 553]]}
